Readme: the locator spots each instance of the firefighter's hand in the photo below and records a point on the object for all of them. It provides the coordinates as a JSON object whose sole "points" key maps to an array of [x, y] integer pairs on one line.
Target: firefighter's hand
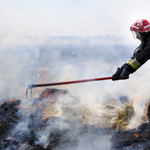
{"points": [[116, 75], [125, 74]]}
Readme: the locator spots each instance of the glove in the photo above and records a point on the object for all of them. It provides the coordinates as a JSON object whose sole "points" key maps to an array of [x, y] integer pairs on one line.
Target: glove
{"points": [[117, 74], [125, 74]]}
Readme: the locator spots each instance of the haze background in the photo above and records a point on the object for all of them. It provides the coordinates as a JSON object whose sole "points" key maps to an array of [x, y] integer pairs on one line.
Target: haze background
{"points": [[46, 18]]}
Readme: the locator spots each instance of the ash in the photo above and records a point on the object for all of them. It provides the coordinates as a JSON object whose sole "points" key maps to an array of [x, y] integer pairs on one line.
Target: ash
{"points": [[40, 125]]}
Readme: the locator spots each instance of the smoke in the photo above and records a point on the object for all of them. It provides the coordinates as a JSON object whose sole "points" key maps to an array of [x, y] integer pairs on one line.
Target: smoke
{"points": [[49, 18], [139, 87], [29, 56], [16, 69], [25, 65]]}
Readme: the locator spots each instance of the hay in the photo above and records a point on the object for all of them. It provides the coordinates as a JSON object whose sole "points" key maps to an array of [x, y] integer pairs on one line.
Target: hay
{"points": [[109, 116], [76, 113], [124, 115]]}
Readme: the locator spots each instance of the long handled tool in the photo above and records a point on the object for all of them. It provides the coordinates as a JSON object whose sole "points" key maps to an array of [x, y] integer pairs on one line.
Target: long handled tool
{"points": [[60, 83]]}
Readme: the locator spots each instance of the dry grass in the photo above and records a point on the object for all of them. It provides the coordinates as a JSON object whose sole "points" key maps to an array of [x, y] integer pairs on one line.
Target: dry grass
{"points": [[124, 115]]}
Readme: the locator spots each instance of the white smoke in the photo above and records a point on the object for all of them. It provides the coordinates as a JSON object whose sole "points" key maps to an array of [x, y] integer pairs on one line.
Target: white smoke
{"points": [[22, 66], [28, 57]]}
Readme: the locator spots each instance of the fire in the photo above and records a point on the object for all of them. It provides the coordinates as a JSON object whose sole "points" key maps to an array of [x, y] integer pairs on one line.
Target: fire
{"points": [[35, 92], [49, 98], [49, 112], [40, 80], [136, 135], [10, 99]]}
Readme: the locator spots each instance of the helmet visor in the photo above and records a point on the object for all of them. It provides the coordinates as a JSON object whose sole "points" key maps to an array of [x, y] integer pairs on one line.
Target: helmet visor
{"points": [[134, 34], [137, 35]]}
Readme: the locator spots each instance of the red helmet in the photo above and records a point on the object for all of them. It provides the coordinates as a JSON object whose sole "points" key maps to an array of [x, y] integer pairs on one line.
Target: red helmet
{"points": [[141, 25]]}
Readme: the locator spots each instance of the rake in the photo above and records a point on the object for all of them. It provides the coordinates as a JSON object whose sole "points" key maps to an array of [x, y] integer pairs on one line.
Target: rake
{"points": [[61, 83]]}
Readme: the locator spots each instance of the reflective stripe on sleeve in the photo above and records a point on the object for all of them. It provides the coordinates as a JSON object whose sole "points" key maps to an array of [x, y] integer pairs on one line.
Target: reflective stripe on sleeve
{"points": [[128, 62], [135, 64]]}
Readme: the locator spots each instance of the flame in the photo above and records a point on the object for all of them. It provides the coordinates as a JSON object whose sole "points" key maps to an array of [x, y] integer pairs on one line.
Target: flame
{"points": [[136, 135], [49, 112], [40, 80], [10, 99]]}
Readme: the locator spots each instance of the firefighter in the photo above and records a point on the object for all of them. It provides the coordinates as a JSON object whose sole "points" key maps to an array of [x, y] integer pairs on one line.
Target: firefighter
{"points": [[140, 29]]}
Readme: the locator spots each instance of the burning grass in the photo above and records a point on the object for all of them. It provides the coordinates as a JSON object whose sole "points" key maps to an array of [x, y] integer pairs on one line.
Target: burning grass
{"points": [[49, 121], [124, 115], [110, 115]]}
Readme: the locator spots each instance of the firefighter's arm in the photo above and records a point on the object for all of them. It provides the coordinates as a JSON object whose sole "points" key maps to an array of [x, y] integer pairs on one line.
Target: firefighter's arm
{"points": [[139, 60]]}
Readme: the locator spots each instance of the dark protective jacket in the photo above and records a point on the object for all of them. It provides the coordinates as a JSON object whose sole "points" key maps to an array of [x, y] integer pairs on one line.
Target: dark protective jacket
{"points": [[140, 55]]}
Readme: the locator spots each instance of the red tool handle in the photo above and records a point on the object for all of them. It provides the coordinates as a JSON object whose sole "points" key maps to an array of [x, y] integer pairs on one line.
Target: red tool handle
{"points": [[68, 82]]}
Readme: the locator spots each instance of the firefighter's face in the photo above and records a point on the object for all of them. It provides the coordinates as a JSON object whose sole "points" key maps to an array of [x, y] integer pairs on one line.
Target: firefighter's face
{"points": [[138, 36]]}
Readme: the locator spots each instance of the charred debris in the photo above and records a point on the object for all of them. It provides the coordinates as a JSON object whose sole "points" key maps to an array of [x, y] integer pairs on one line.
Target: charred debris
{"points": [[38, 126]]}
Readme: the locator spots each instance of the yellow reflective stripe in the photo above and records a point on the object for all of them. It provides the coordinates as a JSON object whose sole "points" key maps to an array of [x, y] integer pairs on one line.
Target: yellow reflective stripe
{"points": [[127, 62], [133, 65]]}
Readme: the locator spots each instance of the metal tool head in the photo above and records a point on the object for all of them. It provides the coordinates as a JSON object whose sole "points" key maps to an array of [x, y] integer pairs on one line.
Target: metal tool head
{"points": [[29, 87]]}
